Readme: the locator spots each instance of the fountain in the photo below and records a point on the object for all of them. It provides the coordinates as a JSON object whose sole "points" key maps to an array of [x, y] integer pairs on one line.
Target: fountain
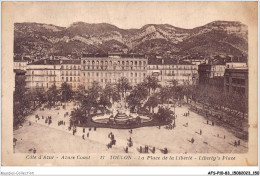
{"points": [[120, 115]]}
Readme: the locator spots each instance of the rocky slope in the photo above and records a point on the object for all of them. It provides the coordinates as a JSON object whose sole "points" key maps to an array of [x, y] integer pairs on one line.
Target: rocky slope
{"points": [[218, 37]]}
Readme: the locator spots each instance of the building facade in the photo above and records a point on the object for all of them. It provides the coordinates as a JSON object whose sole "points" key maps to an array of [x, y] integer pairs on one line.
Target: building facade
{"points": [[109, 68], [167, 70], [208, 72], [43, 74], [236, 80], [70, 72]]}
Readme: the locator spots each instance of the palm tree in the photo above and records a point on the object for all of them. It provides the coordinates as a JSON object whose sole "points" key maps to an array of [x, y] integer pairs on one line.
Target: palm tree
{"points": [[152, 102], [111, 92], [52, 95], [137, 95], [66, 92], [152, 83], [123, 86], [80, 94]]}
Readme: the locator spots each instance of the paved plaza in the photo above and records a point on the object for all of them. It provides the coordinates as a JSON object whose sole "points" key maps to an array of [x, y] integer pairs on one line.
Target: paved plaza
{"points": [[56, 138]]}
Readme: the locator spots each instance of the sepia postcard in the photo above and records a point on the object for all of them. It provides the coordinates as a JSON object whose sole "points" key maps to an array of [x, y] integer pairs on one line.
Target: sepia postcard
{"points": [[129, 83]]}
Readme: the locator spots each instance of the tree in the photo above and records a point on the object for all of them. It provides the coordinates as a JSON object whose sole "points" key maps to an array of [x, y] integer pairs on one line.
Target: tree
{"points": [[80, 94], [52, 95], [164, 94], [123, 86], [112, 93], [22, 101], [66, 92], [104, 100], [152, 102], [152, 83], [164, 115], [137, 96]]}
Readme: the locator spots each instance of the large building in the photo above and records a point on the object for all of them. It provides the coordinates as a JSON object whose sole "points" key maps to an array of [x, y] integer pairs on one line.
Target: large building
{"points": [[43, 74], [109, 68], [209, 71], [70, 72], [236, 80], [167, 70]]}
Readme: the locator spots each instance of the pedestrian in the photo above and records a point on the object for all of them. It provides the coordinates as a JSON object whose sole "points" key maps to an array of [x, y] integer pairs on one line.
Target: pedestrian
{"points": [[207, 122], [224, 137], [235, 144], [83, 137], [192, 140], [126, 149], [42, 117], [212, 123], [30, 123], [188, 113], [165, 150], [238, 142], [34, 150], [95, 128], [89, 129], [130, 139], [87, 134], [153, 150], [200, 132], [83, 130], [141, 149]]}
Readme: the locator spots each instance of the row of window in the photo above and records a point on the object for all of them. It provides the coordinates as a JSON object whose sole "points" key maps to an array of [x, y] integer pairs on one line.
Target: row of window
{"points": [[112, 80], [112, 67], [70, 79], [159, 67], [70, 67], [101, 74], [127, 63], [43, 72], [70, 73]]}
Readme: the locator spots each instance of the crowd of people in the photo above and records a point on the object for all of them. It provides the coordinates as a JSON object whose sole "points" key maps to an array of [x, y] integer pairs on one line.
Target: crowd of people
{"points": [[111, 136]]}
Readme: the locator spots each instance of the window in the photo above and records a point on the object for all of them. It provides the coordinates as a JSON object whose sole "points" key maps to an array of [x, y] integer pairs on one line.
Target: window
{"points": [[70, 78], [67, 79], [32, 72]]}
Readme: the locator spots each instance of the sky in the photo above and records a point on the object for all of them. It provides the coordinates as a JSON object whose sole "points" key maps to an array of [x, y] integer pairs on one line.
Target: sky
{"points": [[128, 15]]}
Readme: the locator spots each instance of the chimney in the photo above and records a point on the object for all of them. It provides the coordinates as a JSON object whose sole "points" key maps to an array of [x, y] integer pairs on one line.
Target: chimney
{"points": [[45, 61], [163, 61]]}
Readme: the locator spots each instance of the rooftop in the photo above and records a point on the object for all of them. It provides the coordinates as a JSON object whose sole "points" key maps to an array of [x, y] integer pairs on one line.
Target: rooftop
{"points": [[154, 61], [132, 55]]}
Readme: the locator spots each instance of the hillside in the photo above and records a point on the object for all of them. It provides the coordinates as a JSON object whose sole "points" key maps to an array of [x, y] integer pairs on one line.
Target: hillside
{"points": [[218, 37]]}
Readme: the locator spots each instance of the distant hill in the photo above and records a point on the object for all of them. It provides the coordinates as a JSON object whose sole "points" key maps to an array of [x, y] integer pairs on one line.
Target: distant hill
{"points": [[218, 37]]}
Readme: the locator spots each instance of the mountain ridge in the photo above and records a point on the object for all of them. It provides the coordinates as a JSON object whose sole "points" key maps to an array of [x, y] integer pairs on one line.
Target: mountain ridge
{"points": [[227, 37]]}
